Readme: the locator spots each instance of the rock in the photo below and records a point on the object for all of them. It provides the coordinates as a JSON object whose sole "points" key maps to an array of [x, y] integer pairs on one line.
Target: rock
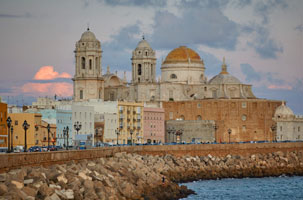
{"points": [[62, 178], [53, 197], [84, 176], [30, 191], [91, 164], [88, 184], [3, 189], [69, 194], [45, 191], [28, 181], [58, 187], [18, 184], [30, 198], [2, 177]]}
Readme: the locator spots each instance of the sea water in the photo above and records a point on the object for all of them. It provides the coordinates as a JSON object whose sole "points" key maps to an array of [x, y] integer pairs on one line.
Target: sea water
{"points": [[248, 188]]}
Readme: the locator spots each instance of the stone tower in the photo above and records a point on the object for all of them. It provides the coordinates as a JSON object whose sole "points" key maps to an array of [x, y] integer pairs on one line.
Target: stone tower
{"points": [[143, 63], [88, 81]]}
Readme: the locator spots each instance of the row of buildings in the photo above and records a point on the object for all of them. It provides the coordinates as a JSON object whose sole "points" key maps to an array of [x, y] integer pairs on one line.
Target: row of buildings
{"points": [[182, 105]]}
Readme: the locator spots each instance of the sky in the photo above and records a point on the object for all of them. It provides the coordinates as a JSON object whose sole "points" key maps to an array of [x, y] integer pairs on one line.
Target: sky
{"points": [[261, 40]]}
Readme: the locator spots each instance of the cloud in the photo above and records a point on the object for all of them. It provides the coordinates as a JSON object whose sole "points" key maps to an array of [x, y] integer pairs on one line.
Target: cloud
{"points": [[60, 88], [143, 3], [264, 8], [48, 73], [283, 87], [264, 45], [250, 73], [299, 28], [207, 26], [26, 15]]}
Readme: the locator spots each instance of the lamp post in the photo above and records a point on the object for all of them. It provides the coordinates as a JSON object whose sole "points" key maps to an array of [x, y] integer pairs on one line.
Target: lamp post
{"points": [[77, 126], [48, 130], [216, 128], [12, 146], [65, 132], [25, 127], [229, 132], [9, 122], [131, 136], [273, 129], [117, 132]]}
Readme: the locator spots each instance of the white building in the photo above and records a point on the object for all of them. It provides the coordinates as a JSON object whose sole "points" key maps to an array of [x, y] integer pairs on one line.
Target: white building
{"points": [[288, 125]]}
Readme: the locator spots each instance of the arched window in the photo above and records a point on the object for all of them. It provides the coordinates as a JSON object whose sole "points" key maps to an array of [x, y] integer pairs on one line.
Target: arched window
{"points": [[182, 117], [83, 62], [173, 76], [199, 117], [146, 53], [90, 63], [139, 69]]}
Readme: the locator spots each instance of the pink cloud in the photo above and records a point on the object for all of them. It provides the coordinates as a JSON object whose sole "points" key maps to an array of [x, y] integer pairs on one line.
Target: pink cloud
{"points": [[283, 87], [59, 88], [48, 73]]}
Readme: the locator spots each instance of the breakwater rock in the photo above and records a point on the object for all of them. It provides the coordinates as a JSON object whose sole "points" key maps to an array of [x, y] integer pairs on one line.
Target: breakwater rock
{"points": [[132, 176]]}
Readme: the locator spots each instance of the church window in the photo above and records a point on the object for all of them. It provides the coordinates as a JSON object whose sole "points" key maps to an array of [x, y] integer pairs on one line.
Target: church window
{"points": [[205, 89], [81, 94], [173, 76], [90, 63], [146, 53], [244, 117], [199, 117], [243, 128], [139, 69], [83, 62], [243, 104], [182, 117]]}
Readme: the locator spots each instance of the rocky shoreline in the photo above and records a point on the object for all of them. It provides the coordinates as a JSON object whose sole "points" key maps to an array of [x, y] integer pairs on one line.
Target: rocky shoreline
{"points": [[133, 176]]}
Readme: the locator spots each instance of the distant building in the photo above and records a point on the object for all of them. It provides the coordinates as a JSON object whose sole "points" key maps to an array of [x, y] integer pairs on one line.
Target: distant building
{"points": [[3, 125], [190, 131], [48, 115], [49, 103], [153, 125], [64, 120], [14, 109], [288, 125]]}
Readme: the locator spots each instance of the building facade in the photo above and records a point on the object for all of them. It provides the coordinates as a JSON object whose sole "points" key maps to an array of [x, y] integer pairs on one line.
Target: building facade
{"points": [[288, 126], [130, 115], [3, 125], [190, 131], [64, 120], [248, 119], [153, 125]]}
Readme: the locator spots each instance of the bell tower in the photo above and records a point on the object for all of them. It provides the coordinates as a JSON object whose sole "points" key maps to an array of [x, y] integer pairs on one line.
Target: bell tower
{"points": [[143, 63], [88, 81]]}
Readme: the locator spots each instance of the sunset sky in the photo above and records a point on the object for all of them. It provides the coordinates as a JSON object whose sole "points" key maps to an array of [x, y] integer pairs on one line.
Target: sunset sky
{"points": [[262, 41]]}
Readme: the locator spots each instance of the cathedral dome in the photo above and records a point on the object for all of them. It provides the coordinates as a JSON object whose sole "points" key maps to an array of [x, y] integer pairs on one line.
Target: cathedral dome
{"points": [[143, 44], [88, 36], [283, 111], [182, 54]]}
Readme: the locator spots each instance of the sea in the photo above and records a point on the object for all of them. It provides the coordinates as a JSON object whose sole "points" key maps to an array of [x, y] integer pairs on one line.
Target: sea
{"points": [[280, 188]]}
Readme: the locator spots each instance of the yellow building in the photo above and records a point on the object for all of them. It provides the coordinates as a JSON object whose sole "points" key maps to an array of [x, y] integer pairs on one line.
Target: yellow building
{"points": [[3, 126], [130, 115], [34, 132]]}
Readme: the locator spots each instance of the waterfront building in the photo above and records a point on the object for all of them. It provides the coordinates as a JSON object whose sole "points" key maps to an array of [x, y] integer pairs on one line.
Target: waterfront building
{"points": [[190, 131], [153, 123], [248, 119], [48, 115], [3, 125], [49, 103], [288, 125], [130, 115], [83, 114], [34, 133], [64, 120]]}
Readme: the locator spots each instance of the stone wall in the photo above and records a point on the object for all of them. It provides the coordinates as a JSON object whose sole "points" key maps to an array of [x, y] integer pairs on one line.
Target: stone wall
{"points": [[16, 160]]}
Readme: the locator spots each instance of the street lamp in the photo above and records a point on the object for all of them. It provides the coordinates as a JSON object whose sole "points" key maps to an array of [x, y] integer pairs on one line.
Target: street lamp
{"points": [[25, 127], [131, 136], [12, 147], [216, 128], [65, 132], [117, 132], [48, 130], [273, 129], [170, 130], [77, 126], [9, 122], [229, 132]]}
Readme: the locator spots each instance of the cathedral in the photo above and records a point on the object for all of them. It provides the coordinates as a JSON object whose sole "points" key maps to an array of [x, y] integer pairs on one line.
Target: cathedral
{"points": [[182, 76]]}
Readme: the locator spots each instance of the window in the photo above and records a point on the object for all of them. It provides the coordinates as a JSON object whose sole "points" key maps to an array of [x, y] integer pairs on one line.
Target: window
{"points": [[83, 62], [182, 117], [173, 76], [214, 94], [146, 53], [171, 115], [243, 104], [299, 129], [139, 69], [198, 105], [244, 117], [280, 128], [81, 94], [199, 117], [90, 63], [243, 128], [16, 122]]}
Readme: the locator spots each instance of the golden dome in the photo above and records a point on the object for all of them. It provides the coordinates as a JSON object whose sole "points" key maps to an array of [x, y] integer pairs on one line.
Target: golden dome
{"points": [[182, 54]]}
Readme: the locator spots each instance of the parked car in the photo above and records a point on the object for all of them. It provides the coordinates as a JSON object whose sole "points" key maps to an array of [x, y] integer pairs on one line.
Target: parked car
{"points": [[18, 149]]}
